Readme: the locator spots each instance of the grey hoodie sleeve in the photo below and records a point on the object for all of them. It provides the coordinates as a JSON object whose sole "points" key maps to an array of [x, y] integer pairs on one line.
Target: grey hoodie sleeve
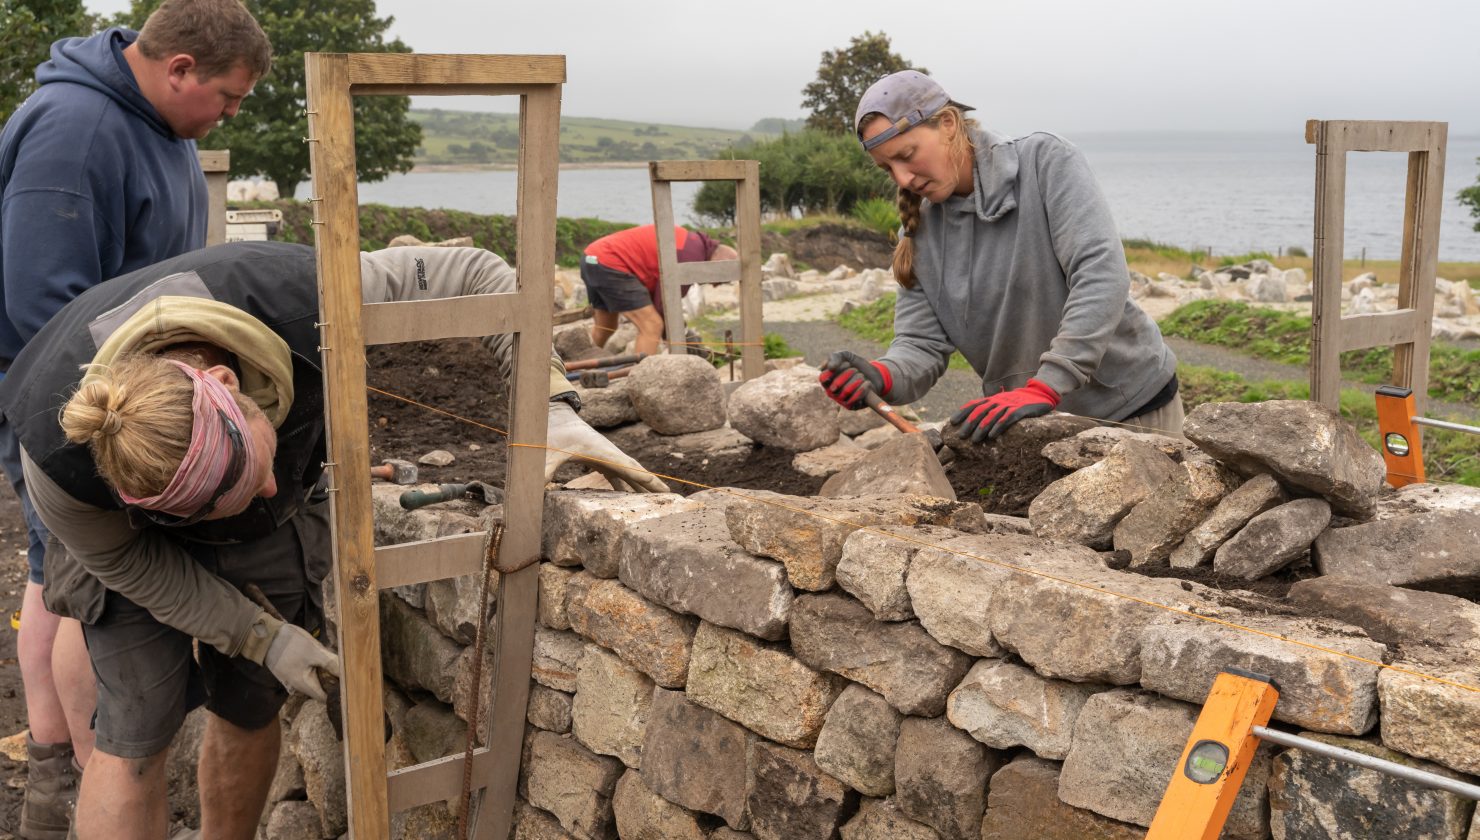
{"points": [[920, 351], [1088, 248]]}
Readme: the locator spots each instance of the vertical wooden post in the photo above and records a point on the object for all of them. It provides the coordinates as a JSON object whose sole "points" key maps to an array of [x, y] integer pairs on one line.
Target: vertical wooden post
{"points": [[669, 294], [1326, 265], [357, 596], [748, 238], [216, 164]]}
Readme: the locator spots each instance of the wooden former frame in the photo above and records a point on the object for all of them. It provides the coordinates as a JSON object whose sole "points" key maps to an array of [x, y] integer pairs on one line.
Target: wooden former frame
{"points": [[216, 164], [1408, 328], [360, 569], [672, 274]]}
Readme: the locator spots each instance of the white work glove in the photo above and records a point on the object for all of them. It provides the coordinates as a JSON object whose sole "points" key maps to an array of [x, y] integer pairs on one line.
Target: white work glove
{"points": [[570, 437], [294, 654]]}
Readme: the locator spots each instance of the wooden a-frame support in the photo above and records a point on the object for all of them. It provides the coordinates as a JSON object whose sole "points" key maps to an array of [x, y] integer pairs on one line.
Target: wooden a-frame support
{"points": [[361, 570], [1408, 328], [672, 274]]}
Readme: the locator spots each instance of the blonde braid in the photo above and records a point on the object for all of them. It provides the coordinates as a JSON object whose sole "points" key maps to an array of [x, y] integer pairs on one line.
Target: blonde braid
{"points": [[904, 250]]}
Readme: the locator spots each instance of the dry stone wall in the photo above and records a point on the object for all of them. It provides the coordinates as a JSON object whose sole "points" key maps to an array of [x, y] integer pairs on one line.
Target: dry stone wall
{"points": [[741, 664]]}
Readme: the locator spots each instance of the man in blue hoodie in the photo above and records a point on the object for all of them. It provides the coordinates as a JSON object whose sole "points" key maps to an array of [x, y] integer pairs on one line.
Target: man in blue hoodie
{"points": [[99, 177]]}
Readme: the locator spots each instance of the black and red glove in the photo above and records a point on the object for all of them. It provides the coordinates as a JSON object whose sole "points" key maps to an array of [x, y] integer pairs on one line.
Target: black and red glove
{"points": [[989, 417], [845, 374]]}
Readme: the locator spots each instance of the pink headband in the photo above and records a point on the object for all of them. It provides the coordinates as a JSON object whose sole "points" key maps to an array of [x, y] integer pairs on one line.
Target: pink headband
{"points": [[207, 459]]}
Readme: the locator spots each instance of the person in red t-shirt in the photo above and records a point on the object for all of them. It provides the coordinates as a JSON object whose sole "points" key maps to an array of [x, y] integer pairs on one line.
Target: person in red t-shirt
{"points": [[621, 276]]}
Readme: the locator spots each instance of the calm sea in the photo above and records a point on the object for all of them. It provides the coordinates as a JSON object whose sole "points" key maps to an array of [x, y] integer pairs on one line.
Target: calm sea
{"points": [[1230, 192]]}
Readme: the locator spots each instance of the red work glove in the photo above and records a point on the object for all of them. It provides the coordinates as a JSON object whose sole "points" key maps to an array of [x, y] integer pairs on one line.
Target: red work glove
{"points": [[989, 417], [845, 374]]}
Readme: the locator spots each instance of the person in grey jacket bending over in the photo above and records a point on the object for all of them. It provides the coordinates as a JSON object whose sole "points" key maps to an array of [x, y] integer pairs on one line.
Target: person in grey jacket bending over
{"points": [[1007, 253], [171, 424]]}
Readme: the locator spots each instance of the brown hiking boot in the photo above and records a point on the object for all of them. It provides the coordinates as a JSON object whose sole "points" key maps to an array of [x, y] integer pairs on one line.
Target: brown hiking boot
{"points": [[51, 791]]}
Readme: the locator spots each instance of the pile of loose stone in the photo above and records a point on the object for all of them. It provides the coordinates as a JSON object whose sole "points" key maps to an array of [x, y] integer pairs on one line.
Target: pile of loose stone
{"points": [[1456, 305]]}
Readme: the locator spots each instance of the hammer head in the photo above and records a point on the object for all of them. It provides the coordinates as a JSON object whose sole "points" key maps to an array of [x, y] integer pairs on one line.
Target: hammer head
{"points": [[395, 471]]}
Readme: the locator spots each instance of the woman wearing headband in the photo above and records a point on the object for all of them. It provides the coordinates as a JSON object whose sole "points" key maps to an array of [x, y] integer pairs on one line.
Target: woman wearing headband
{"points": [[172, 435], [1008, 254]]}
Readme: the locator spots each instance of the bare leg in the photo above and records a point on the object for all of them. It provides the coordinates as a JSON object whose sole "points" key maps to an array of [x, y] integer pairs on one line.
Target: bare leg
{"points": [[236, 768], [649, 328], [123, 798], [603, 325], [76, 686], [34, 643]]}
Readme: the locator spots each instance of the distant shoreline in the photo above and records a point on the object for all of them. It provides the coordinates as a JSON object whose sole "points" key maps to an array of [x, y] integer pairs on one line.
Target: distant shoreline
{"points": [[510, 167]]}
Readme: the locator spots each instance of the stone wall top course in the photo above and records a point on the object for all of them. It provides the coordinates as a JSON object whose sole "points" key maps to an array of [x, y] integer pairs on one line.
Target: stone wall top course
{"points": [[585, 527]]}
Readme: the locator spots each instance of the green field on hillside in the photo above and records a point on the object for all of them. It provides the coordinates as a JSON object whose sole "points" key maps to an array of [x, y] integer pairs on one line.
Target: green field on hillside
{"points": [[479, 139]]}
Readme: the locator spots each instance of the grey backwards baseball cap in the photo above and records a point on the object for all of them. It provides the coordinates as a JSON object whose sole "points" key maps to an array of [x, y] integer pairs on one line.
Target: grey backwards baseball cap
{"points": [[906, 99]]}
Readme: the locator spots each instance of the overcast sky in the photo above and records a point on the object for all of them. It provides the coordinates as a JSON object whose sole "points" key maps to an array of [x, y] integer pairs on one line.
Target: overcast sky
{"points": [[1069, 66]]}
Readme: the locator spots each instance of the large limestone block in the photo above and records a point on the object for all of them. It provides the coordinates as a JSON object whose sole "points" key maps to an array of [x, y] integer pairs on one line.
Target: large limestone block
{"points": [[530, 823], [786, 409], [1092, 445], [605, 408], [585, 528], [1318, 690], [644, 815], [1023, 802], [856, 745], [807, 534], [452, 604], [696, 758], [687, 562], [548, 709], [1252, 498], [1431, 719], [1127, 744], [899, 660], [906, 465], [292, 821], [610, 710], [1427, 498], [417, 655], [881, 819], [1079, 627], [829, 460], [1272, 540], [430, 730], [940, 776], [677, 394], [574, 784], [1390, 614], [557, 658], [1438, 551], [321, 755], [1005, 705], [1315, 796], [1303, 444], [790, 798], [1155, 526], [951, 586], [654, 640], [550, 598], [874, 565], [760, 686], [1085, 506]]}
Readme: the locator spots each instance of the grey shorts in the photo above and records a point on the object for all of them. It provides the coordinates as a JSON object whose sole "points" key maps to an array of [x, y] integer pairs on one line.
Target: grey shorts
{"points": [[611, 290], [151, 675]]}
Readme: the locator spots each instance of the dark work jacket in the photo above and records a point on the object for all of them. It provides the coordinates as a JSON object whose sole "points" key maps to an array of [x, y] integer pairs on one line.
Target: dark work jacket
{"points": [[273, 281]]}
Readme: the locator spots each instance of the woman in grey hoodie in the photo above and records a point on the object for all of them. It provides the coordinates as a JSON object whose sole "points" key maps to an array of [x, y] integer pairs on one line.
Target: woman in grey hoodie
{"points": [[1007, 253]]}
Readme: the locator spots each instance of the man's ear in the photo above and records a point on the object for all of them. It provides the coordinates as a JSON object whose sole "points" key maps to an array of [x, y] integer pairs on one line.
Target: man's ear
{"points": [[178, 68], [225, 375]]}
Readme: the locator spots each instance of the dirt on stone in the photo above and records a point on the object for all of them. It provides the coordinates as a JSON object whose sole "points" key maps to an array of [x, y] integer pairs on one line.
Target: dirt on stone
{"points": [[827, 246]]}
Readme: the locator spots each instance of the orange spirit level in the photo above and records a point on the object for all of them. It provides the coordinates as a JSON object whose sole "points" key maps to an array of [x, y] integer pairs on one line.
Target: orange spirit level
{"points": [[1402, 439], [1216, 758]]}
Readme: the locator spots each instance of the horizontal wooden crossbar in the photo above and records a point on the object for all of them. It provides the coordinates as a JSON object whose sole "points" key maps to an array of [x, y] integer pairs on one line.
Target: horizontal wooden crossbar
{"points": [[1378, 136], [698, 170], [427, 560], [1382, 329], [377, 69], [432, 781], [473, 316], [697, 273]]}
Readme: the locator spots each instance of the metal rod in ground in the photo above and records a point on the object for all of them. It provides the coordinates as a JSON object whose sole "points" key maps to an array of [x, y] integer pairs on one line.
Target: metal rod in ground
{"points": [[605, 361], [1410, 774], [1445, 424]]}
